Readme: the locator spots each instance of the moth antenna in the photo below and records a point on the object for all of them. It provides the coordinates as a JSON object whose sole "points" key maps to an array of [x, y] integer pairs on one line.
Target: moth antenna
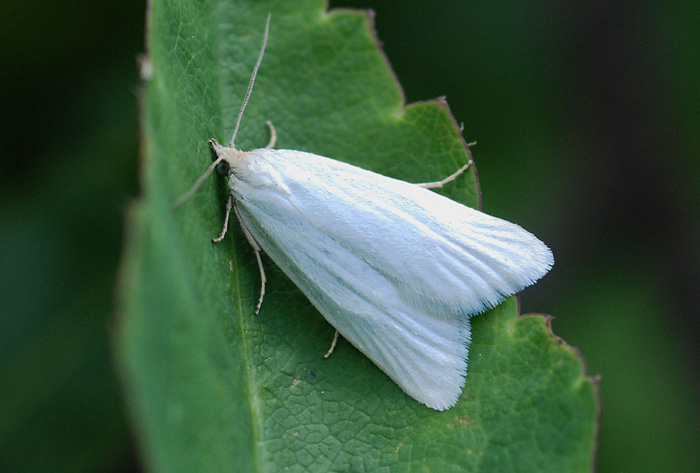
{"points": [[184, 197], [252, 81]]}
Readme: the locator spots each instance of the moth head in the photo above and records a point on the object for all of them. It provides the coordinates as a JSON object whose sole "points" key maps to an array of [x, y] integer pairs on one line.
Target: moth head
{"points": [[222, 168], [223, 159]]}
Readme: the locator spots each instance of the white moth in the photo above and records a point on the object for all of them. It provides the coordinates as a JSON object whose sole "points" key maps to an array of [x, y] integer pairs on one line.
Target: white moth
{"points": [[397, 269]]}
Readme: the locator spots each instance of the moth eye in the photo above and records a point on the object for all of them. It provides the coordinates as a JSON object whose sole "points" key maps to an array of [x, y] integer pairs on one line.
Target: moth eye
{"points": [[222, 168]]}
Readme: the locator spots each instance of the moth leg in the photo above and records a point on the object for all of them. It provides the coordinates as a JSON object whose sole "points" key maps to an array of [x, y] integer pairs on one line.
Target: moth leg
{"points": [[257, 250], [333, 344], [229, 205], [273, 135], [448, 179]]}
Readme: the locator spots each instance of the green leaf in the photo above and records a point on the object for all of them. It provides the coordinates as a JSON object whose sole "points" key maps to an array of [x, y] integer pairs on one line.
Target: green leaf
{"points": [[213, 387]]}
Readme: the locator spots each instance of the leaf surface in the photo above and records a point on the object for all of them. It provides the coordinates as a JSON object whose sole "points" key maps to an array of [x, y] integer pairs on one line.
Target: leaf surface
{"points": [[212, 387]]}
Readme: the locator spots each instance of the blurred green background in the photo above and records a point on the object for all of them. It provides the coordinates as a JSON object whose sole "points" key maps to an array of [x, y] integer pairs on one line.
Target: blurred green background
{"points": [[587, 118]]}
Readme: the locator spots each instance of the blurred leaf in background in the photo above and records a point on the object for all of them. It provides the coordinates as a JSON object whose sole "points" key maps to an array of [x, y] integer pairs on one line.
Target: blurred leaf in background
{"points": [[586, 119], [68, 159]]}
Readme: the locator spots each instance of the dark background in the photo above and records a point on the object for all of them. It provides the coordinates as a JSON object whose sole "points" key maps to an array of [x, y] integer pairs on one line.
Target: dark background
{"points": [[586, 115]]}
